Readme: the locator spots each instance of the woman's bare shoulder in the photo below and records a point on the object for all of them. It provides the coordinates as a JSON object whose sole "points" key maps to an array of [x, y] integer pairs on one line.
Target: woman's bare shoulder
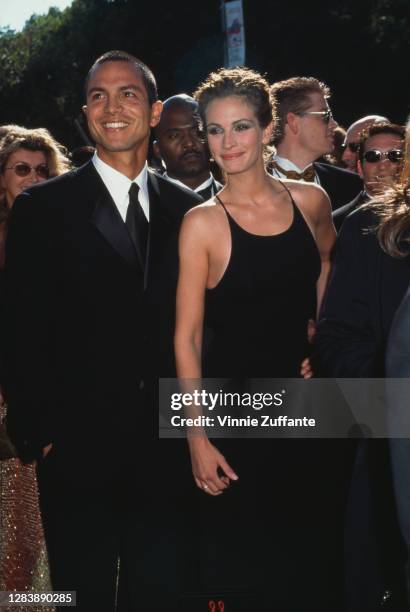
{"points": [[203, 214], [308, 195], [202, 220]]}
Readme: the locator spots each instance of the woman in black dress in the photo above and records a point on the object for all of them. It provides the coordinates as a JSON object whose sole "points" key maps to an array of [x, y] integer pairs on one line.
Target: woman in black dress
{"points": [[254, 262]]}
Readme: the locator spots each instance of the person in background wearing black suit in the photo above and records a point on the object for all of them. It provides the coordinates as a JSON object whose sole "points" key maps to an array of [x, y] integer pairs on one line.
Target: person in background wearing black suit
{"points": [[369, 280], [398, 366], [89, 256], [182, 147], [380, 159], [303, 134]]}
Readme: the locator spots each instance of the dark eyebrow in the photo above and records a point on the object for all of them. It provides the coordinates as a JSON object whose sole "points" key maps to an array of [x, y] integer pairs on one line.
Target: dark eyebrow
{"points": [[122, 88]]}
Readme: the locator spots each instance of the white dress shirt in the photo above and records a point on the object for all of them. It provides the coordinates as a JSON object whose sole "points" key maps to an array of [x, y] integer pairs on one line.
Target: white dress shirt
{"points": [[203, 185], [119, 185], [286, 164]]}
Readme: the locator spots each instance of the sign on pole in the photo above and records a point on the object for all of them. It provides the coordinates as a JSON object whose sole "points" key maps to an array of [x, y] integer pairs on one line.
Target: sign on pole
{"points": [[235, 34]]}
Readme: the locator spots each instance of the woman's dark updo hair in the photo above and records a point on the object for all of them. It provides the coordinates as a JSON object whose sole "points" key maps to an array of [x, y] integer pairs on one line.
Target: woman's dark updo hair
{"points": [[241, 82]]}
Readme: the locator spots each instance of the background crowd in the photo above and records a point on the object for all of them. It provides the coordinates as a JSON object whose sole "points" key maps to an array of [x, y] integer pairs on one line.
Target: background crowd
{"points": [[362, 166]]}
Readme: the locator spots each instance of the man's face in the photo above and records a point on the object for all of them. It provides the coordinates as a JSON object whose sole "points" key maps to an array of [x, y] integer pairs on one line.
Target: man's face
{"points": [[379, 175], [180, 144], [351, 144], [316, 133], [118, 112]]}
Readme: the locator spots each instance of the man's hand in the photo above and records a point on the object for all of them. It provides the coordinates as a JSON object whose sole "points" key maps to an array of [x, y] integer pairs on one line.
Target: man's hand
{"points": [[206, 460]]}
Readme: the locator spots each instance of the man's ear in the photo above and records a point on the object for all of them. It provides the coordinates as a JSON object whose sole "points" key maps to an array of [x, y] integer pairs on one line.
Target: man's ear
{"points": [[292, 122], [155, 149], [84, 108], [360, 168], [156, 110]]}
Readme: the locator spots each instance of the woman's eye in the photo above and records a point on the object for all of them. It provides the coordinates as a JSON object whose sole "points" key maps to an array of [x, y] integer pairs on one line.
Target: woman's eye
{"points": [[214, 130], [240, 127]]}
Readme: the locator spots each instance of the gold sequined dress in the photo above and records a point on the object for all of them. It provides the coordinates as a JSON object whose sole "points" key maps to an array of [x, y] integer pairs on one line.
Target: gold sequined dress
{"points": [[23, 557]]}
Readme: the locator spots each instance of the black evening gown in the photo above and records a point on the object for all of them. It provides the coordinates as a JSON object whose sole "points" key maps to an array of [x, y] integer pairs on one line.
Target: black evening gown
{"points": [[272, 538]]}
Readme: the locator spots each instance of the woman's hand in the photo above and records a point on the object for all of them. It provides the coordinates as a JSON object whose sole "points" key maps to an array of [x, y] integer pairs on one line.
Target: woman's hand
{"points": [[206, 460]]}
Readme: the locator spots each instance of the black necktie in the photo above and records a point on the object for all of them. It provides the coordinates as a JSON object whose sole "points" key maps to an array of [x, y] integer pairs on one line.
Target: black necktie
{"points": [[136, 222]]}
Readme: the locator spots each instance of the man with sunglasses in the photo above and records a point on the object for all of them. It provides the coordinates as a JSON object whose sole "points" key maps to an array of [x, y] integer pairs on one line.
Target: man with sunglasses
{"points": [[380, 153], [304, 133], [352, 140]]}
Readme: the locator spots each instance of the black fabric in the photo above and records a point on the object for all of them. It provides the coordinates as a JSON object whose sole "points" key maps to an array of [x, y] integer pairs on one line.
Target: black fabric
{"points": [[82, 361], [364, 292], [241, 309], [137, 223], [277, 532], [210, 191], [340, 185], [340, 214]]}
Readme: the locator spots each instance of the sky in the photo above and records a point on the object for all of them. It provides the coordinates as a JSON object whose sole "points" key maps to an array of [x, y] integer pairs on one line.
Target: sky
{"points": [[14, 13]]}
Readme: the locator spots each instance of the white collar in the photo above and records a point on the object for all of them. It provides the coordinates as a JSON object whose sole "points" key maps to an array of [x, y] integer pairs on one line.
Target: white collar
{"points": [[204, 185], [119, 185], [286, 164]]}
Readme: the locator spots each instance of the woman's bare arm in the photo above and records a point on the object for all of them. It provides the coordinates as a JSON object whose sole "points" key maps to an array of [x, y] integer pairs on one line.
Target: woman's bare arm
{"points": [[194, 254]]}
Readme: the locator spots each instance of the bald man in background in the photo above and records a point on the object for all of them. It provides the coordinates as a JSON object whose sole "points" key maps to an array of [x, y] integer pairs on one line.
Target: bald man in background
{"points": [[181, 146]]}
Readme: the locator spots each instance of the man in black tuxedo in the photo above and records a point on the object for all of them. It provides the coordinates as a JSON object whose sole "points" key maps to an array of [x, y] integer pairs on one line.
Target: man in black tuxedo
{"points": [[380, 156], [398, 366], [364, 292], [181, 146], [304, 133], [91, 268]]}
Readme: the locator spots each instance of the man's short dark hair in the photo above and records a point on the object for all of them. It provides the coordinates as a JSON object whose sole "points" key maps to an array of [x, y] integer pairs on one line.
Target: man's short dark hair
{"points": [[122, 56], [380, 128], [292, 96]]}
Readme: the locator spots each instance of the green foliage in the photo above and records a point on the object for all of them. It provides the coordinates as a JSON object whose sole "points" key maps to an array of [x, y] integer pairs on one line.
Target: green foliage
{"points": [[359, 48]]}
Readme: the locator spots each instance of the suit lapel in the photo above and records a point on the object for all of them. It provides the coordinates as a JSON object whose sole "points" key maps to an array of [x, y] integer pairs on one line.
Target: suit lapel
{"points": [[159, 224], [106, 218]]}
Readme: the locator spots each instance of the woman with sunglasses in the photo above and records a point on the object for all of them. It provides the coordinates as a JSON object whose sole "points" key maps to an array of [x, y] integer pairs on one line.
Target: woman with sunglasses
{"points": [[370, 278], [27, 157], [253, 266]]}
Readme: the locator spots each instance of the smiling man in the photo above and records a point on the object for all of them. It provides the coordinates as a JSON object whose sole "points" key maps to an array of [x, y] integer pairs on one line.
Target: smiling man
{"points": [[182, 148], [90, 283], [380, 153], [305, 133]]}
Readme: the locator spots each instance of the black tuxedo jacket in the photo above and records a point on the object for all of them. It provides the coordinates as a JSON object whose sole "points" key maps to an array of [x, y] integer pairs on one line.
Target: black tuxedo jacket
{"points": [[364, 292], [340, 214], [210, 191], [82, 311], [340, 185]]}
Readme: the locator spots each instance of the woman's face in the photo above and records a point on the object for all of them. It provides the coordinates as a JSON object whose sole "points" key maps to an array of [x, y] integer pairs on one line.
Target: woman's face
{"points": [[12, 183], [234, 135]]}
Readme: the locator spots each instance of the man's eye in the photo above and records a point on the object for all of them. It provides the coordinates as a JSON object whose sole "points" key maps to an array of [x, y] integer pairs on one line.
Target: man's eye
{"points": [[173, 135], [241, 127], [213, 130], [98, 95], [128, 94]]}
